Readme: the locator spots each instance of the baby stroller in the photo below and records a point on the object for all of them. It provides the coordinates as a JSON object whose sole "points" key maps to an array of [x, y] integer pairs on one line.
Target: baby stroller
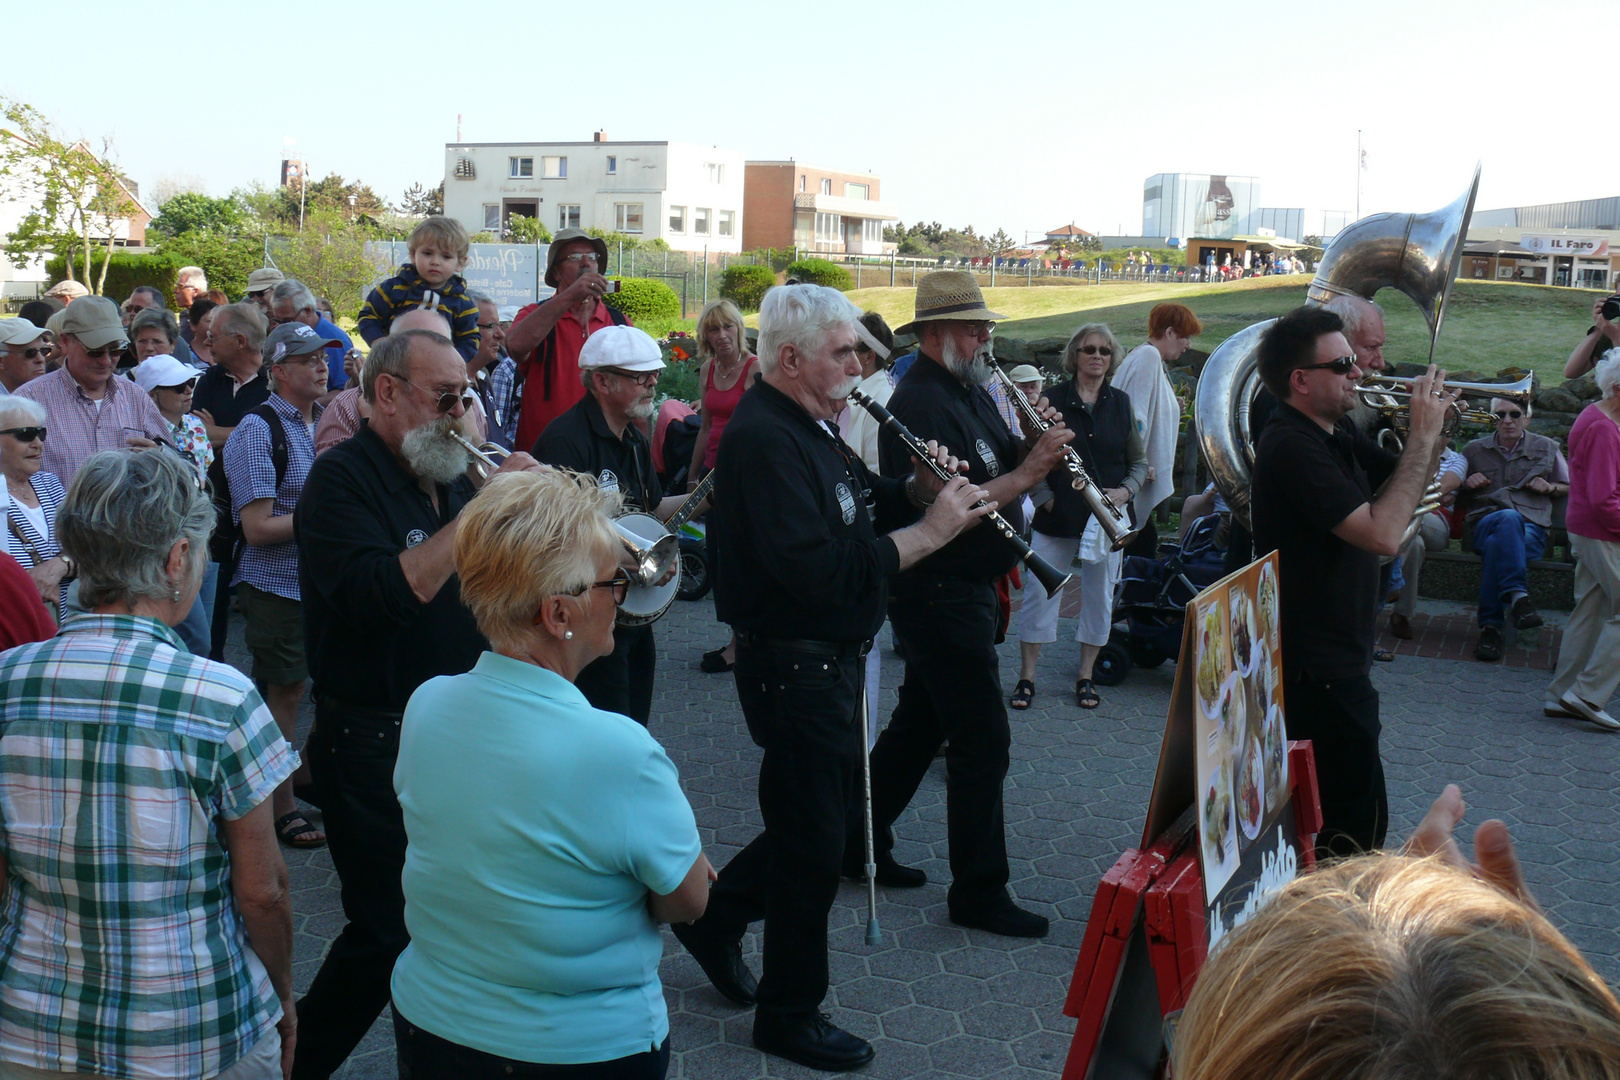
{"points": [[1150, 602], [674, 437]]}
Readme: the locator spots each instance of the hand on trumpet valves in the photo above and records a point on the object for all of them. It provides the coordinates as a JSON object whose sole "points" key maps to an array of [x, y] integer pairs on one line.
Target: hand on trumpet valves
{"points": [[959, 505], [926, 482], [1430, 405]]}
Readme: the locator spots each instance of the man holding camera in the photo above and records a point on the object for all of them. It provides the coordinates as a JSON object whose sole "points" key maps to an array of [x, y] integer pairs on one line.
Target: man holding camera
{"points": [[1603, 336], [546, 338]]}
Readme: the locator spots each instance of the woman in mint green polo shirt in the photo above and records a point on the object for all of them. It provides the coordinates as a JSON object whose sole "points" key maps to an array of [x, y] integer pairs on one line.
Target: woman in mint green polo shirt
{"points": [[547, 839]]}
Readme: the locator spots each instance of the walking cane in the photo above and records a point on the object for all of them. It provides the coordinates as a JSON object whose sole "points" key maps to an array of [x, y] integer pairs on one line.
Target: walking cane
{"points": [[874, 936]]}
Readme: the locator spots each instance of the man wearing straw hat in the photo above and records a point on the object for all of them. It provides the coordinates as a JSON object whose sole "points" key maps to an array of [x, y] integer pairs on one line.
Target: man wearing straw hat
{"points": [[945, 611]]}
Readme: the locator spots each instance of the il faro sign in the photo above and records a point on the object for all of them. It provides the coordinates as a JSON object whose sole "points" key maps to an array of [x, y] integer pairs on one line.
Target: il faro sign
{"points": [[1587, 247]]}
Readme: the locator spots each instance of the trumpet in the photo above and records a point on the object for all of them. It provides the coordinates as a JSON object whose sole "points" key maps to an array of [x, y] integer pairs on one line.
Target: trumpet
{"points": [[1113, 520], [1391, 397], [490, 455], [1051, 578]]}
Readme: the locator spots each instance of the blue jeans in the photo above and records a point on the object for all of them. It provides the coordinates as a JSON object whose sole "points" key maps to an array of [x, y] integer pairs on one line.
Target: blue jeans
{"points": [[193, 629], [1506, 541]]}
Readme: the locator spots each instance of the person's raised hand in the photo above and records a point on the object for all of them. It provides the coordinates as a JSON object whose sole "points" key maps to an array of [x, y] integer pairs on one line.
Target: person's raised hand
{"points": [[1430, 404], [1495, 860], [954, 508], [926, 480], [1044, 456]]}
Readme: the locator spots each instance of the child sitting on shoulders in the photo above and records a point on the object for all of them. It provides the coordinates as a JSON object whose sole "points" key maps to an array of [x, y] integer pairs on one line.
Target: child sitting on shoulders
{"points": [[432, 279]]}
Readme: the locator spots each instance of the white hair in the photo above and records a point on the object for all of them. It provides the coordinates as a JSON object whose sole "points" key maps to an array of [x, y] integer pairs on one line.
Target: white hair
{"points": [[1352, 310], [801, 316], [14, 405], [1607, 373], [192, 275], [297, 293]]}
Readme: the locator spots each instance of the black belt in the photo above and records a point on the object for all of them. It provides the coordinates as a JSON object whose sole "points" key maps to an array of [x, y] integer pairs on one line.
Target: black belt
{"points": [[328, 703], [842, 650]]}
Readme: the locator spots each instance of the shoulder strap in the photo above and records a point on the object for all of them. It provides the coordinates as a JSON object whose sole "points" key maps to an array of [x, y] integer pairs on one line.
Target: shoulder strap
{"points": [[279, 452], [619, 318]]}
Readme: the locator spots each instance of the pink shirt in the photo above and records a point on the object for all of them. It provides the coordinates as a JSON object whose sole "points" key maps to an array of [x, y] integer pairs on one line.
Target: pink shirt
{"points": [[1594, 476]]}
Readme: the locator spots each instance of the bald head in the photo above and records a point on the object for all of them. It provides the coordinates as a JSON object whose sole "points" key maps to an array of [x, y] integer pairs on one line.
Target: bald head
{"points": [[421, 319]]}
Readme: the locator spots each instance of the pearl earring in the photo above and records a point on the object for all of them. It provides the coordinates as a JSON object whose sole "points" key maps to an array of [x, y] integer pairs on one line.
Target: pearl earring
{"points": [[568, 634], [175, 596]]}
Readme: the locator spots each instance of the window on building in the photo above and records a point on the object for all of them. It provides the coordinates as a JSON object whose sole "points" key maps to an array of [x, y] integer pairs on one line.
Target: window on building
{"points": [[717, 172], [830, 228], [492, 216], [872, 230], [613, 165], [803, 180], [677, 219], [727, 223], [554, 168], [568, 215], [700, 220], [521, 167], [856, 191], [627, 217], [826, 186]]}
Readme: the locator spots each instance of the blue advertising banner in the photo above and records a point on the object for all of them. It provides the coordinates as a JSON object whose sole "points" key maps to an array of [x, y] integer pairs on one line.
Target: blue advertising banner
{"points": [[508, 272]]}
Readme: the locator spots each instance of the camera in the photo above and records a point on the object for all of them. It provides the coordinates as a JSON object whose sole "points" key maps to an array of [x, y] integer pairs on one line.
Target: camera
{"points": [[613, 286], [1611, 308]]}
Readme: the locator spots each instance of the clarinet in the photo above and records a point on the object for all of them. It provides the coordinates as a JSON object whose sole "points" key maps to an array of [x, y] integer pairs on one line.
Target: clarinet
{"points": [[1051, 578]]}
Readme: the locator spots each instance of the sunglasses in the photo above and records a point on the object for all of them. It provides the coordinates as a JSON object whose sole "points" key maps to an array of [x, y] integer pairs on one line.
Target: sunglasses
{"points": [[580, 257], [445, 401], [1096, 350], [106, 352], [27, 354], [25, 434], [1339, 365], [1507, 414], [182, 388]]}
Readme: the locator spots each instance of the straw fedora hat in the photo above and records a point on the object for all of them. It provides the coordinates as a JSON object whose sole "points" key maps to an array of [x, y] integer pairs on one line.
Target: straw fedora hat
{"points": [[948, 294]]}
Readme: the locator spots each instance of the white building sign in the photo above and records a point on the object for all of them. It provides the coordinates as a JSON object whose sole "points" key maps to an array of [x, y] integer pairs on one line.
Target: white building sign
{"points": [[1586, 247]]}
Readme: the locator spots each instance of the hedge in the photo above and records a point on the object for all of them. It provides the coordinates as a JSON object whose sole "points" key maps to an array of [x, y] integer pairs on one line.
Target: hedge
{"points": [[127, 271], [821, 272], [745, 285], [644, 300]]}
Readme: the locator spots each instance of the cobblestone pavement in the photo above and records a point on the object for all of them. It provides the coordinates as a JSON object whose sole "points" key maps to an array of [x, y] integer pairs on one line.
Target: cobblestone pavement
{"points": [[938, 1000]]}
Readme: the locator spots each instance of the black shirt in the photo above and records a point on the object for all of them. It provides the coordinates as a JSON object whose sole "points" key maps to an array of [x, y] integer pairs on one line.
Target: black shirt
{"points": [[933, 404], [367, 638], [802, 558], [581, 440], [1101, 433], [1307, 481]]}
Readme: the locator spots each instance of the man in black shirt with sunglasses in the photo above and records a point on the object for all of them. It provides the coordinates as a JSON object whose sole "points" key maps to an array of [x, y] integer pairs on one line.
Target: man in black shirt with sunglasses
{"points": [[1314, 478]]}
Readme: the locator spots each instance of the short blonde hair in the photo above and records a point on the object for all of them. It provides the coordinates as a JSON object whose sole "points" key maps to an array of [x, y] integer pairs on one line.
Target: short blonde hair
{"points": [[720, 313], [441, 230], [1071, 351], [1387, 967], [529, 536]]}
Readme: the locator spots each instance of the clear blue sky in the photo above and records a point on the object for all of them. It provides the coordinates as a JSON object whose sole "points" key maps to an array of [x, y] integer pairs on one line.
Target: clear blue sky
{"points": [[969, 112]]}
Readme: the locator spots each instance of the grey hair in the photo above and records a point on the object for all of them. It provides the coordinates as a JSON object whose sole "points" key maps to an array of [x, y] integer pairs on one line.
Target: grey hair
{"points": [[391, 355], [1072, 350], [801, 316], [158, 317], [243, 318], [192, 275], [158, 299], [296, 291], [478, 296], [124, 511], [14, 405], [1607, 373], [1352, 310]]}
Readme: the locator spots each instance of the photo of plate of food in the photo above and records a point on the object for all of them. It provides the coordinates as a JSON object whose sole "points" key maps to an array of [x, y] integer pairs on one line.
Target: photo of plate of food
{"points": [[1244, 635], [1276, 750], [1267, 593], [1227, 718], [1251, 789], [1216, 821], [1212, 665]]}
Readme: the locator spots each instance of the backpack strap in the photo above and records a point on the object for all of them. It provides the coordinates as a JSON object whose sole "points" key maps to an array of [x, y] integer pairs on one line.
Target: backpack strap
{"points": [[280, 452]]}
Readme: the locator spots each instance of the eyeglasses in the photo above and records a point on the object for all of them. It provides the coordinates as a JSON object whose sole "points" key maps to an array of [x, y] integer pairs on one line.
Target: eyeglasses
{"points": [[580, 257], [1339, 365], [619, 583], [978, 326], [313, 359], [25, 434], [445, 401], [26, 354], [488, 325], [640, 378], [106, 352], [1509, 414], [1096, 350], [183, 388]]}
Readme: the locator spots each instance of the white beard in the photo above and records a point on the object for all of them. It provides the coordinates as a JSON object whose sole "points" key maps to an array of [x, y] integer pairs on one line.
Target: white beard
{"points": [[432, 454], [971, 370]]}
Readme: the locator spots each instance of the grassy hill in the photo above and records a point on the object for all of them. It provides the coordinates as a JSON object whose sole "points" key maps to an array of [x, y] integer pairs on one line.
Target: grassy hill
{"points": [[1488, 326]]}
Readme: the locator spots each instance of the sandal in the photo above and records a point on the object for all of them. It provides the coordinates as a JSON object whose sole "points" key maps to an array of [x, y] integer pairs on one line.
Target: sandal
{"points": [[1085, 695], [1382, 655], [1022, 694], [294, 835]]}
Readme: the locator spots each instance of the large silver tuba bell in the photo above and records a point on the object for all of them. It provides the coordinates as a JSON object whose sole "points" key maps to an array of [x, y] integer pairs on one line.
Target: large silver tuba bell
{"points": [[1417, 254]]}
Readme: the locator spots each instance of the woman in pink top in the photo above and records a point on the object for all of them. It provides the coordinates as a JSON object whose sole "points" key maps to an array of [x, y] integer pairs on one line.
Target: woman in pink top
{"points": [[1589, 659], [727, 371]]}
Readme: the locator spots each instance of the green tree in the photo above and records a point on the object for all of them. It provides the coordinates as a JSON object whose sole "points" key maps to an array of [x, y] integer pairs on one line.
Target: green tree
{"points": [[329, 255], [190, 211], [419, 201], [999, 243], [522, 229], [226, 257], [75, 196]]}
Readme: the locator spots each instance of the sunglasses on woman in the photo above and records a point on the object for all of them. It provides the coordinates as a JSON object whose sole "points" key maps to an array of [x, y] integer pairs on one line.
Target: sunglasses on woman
{"points": [[25, 434], [1096, 350]]}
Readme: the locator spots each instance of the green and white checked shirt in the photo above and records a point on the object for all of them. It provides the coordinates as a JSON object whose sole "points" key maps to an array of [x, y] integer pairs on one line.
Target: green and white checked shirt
{"points": [[121, 948]]}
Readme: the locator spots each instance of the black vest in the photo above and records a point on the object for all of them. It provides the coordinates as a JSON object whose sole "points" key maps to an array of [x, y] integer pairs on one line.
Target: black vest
{"points": [[1100, 434]]}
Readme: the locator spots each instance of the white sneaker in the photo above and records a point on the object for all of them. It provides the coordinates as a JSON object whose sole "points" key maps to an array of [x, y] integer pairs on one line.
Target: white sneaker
{"points": [[1587, 711]]}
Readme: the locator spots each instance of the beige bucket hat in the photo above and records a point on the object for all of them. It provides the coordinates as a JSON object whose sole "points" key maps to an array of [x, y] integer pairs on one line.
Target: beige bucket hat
{"points": [[948, 294]]}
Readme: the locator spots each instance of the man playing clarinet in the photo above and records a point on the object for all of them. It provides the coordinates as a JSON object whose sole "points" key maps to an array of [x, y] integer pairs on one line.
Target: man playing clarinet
{"points": [[805, 586]]}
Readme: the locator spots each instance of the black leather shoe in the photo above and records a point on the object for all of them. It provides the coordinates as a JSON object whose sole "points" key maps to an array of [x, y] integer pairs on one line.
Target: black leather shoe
{"points": [[814, 1041], [890, 874], [1489, 648], [1008, 920], [1524, 613], [721, 961]]}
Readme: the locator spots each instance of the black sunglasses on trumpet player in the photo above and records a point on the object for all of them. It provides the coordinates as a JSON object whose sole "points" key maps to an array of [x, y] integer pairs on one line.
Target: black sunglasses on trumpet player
{"points": [[1339, 365]]}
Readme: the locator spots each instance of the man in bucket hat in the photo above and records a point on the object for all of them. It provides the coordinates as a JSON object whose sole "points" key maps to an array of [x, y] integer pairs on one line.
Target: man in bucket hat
{"points": [[546, 338], [945, 612]]}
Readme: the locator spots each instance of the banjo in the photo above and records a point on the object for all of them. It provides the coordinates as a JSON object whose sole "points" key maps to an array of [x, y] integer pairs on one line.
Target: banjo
{"points": [[654, 546]]}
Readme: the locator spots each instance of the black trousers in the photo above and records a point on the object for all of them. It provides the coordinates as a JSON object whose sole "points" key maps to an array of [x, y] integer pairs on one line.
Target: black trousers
{"points": [[801, 710], [622, 681], [422, 1055], [352, 753], [1340, 718], [951, 691], [219, 620]]}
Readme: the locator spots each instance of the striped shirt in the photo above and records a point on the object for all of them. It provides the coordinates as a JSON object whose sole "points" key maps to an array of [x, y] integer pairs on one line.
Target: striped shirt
{"points": [[251, 475], [122, 948], [23, 540], [81, 426], [406, 290]]}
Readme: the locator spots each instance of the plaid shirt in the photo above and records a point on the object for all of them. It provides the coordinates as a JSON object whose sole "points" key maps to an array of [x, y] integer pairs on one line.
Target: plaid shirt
{"points": [[122, 949], [79, 427], [251, 474], [502, 402], [1004, 405]]}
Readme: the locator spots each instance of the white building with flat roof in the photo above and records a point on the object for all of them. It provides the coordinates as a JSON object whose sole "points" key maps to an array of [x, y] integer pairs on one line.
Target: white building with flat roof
{"points": [[689, 196]]}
